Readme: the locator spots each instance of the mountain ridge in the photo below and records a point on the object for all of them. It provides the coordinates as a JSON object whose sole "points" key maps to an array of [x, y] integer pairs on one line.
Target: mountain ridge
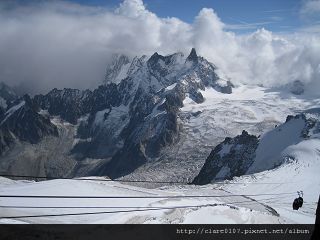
{"points": [[249, 154], [134, 118]]}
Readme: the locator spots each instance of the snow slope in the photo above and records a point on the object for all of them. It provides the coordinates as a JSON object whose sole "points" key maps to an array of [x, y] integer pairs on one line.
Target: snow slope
{"points": [[299, 173], [273, 143], [210, 214], [220, 209]]}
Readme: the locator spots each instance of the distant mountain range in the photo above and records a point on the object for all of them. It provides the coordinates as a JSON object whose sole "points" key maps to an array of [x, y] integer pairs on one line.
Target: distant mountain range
{"points": [[136, 125]]}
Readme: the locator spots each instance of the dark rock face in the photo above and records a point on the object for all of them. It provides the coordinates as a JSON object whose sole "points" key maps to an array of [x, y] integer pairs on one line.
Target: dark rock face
{"points": [[65, 103], [230, 158], [70, 104], [225, 89], [144, 136], [22, 122], [193, 57], [119, 165], [310, 123], [196, 96]]}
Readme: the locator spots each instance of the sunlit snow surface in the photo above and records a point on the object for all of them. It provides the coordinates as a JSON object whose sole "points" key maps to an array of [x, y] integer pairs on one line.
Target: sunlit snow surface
{"points": [[244, 211], [300, 174]]}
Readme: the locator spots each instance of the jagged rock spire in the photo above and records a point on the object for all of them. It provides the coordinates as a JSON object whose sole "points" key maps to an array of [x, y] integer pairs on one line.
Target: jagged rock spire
{"points": [[193, 57], [154, 58]]}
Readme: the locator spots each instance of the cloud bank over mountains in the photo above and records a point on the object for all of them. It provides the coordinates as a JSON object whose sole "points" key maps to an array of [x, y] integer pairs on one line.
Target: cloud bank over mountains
{"points": [[61, 44]]}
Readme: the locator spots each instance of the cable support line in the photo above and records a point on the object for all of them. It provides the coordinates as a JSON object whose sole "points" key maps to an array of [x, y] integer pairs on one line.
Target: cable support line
{"points": [[145, 197], [128, 211], [114, 207], [131, 181], [106, 212]]}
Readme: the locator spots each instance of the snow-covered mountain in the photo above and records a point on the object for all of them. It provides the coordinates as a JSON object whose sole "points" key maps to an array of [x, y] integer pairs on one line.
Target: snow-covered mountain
{"points": [[122, 67], [247, 154], [128, 123], [205, 125]]}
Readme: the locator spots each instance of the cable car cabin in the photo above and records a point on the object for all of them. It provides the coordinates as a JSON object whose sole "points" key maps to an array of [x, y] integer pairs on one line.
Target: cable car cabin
{"points": [[297, 203]]}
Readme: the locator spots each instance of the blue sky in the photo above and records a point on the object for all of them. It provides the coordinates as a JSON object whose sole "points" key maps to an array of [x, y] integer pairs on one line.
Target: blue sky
{"points": [[244, 15]]}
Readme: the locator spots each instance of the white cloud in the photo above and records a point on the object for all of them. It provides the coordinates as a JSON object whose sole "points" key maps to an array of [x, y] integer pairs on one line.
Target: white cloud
{"points": [[133, 8], [310, 7], [59, 44]]}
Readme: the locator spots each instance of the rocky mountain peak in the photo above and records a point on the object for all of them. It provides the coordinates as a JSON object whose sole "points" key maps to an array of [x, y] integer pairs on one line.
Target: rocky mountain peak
{"points": [[136, 112], [193, 57], [154, 59], [117, 69], [161, 71], [27, 99], [162, 60], [230, 158]]}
